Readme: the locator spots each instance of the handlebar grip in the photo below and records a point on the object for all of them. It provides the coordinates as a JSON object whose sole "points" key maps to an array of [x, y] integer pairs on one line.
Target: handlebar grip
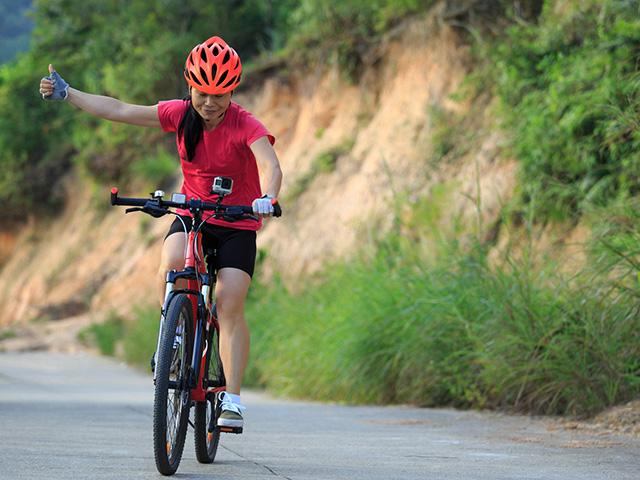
{"points": [[277, 209], [114, 195]]}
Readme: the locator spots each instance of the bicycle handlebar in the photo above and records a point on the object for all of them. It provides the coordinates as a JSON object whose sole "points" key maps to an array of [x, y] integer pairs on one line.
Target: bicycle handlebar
{"points": [[158, 204]]}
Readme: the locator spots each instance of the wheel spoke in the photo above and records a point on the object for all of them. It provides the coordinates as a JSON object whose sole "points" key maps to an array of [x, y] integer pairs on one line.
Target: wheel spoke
{"points": [[174, 398]]}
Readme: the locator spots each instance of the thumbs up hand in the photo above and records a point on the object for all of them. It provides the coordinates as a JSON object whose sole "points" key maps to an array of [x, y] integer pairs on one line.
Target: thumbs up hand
{"points": [[53, 86]]}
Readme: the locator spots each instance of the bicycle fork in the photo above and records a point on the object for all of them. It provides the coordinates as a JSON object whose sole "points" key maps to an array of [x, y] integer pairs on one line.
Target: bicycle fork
{"points": [[201, 307], [167, 294]]}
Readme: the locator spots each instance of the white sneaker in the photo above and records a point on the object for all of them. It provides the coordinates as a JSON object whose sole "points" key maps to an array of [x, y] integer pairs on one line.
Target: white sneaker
{"points": [[231, 415]]}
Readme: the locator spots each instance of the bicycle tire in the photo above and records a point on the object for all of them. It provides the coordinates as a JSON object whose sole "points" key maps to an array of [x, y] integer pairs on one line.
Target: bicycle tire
{"points": [[206, 432], [206, 442], [171, 406]]}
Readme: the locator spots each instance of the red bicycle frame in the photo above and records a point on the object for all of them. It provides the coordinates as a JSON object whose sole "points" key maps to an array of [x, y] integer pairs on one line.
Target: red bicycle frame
{"points": [[199, 284]]}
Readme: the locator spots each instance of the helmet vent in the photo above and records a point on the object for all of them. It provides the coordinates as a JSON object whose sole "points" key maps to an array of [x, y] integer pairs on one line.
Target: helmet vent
{"points": [[216, 50], [222, 78], [194, 78], [203, 55], [214, 71], [203, 74], [230, 82], [226, 58]]}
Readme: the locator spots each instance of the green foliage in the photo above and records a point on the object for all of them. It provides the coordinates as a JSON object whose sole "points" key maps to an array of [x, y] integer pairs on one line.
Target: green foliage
{"points": [[342, 32], [569, 87], [155, 170], [615, 247], [7, 334], [141, 336], [104, 335], [452, 136], [453, 330], [137, 337], [396, 326], [134, 51], [33, 150]]}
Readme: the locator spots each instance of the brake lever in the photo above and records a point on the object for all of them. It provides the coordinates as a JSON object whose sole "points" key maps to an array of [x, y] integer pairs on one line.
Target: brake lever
{"points": [[154, 210], [150, 209]]}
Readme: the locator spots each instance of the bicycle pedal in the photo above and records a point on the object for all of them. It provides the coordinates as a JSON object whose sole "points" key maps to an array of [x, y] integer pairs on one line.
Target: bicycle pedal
{"points": [[231, 429]]}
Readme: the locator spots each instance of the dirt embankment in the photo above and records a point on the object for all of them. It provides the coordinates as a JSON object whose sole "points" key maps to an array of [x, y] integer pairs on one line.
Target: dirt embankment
{"points": [[347, 150], [374, 140]]}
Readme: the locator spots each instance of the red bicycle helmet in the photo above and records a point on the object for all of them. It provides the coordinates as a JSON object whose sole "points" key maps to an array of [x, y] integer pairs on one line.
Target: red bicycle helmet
{"points": [[213, 67]]}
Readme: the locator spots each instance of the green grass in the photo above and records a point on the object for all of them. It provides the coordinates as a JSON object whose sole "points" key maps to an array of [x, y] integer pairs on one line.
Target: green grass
{"points": [[441, 325], [104, 335], [141, 336], [329, 32], [456, 332], [133, 339], [7, 334], [396, 325]]}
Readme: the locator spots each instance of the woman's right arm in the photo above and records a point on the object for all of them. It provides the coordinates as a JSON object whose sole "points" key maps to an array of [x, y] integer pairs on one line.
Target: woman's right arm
{"points": [[103, 107], [114, 110]]}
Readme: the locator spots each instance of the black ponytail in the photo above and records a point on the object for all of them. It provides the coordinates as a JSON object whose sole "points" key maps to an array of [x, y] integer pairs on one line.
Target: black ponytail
{"points": [[190, 130]]}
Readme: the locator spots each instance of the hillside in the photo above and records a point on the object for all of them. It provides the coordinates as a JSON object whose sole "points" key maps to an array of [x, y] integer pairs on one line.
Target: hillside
{"points": [[378, 134], [458, 228]]}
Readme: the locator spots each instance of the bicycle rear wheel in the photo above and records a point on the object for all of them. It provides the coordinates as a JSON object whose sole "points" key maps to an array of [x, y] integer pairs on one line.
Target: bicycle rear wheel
{"points": [[172, 399], [206, 432]]}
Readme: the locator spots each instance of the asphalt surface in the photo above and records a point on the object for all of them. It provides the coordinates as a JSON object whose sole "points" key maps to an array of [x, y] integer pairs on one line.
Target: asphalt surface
{"points": [[84, 417]]}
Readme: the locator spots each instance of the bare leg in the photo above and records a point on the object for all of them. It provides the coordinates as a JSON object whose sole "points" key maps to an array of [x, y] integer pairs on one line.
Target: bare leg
{"points": [[231, 292], [171, 258]]}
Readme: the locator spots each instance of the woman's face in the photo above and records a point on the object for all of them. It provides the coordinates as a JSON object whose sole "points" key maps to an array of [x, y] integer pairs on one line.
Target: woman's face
{"points": [[210, 107]]}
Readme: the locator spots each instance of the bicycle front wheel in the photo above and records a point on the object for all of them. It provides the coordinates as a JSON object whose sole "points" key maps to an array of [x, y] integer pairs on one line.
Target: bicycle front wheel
{"points": [[172, 399]]}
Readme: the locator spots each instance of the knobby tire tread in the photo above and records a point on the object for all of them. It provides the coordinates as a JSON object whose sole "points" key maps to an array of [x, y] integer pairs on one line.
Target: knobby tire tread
{"points": [[168, 464]]}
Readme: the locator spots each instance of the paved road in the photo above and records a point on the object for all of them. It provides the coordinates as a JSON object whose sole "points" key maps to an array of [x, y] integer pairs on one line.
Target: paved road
{"points": [[83, 417]]}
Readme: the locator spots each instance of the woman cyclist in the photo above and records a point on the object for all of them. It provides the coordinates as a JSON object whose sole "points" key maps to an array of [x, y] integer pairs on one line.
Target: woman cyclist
{"points": [[215, 137]]}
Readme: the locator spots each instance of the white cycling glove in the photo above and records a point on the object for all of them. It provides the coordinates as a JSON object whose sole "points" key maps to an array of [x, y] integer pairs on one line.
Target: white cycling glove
{"points": [[263, 206]]}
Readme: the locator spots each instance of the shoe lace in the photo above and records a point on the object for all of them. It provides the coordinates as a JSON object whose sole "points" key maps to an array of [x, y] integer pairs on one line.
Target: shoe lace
{"points": [[228, 404]]}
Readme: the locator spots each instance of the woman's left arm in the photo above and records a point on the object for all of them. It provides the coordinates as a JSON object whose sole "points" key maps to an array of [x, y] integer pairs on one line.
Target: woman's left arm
{"points": [[268, 165]]}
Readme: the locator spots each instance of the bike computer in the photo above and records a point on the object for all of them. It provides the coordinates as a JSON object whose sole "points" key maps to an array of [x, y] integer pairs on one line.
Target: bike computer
{"points": [[179, 198]]}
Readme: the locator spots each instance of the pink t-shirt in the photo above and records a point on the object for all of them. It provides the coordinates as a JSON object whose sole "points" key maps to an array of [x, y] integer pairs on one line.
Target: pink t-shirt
{"points": [[223, 151]]}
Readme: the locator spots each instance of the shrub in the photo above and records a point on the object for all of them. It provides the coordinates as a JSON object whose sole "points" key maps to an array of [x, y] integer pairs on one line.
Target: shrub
{"points": [[569, 88]]}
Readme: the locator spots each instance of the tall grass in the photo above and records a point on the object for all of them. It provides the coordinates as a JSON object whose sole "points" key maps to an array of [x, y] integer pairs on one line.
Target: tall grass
{"points": [[133, 339], [104, 336], [452, 331], [141, 337]]}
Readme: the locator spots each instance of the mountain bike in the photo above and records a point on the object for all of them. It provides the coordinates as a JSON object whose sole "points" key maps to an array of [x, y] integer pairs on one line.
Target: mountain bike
{"points": [[188, 370]]}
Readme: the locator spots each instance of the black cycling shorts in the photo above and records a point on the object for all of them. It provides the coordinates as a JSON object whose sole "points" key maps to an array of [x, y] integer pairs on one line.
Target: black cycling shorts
{"points": [[235, 248]]}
